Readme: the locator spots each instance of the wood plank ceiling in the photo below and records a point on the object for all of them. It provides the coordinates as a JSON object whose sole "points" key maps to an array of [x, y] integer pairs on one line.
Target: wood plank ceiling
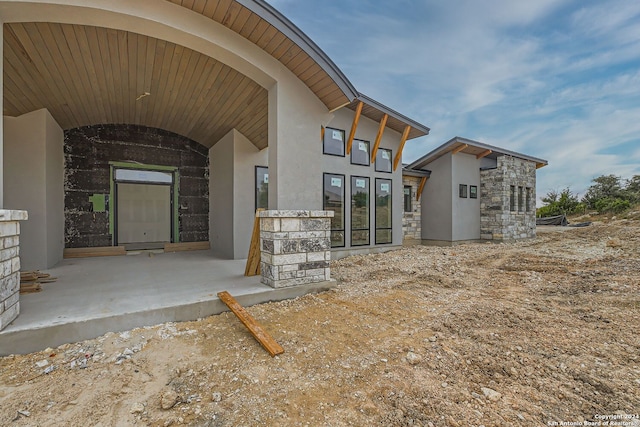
{"points": [[254, 28], [89, 75]]}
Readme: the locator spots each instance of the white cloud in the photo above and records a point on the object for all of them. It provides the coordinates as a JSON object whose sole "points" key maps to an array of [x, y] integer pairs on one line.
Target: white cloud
{"points": [[554, 79]]}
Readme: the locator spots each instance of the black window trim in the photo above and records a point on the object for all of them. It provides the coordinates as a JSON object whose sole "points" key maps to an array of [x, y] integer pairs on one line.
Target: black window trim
{"points": [[344, 205], [351, 229], [463, 192], [344, 137], [380, 150], [473, 195], [404, 207], [255, 182], [375, 213], [368, 152]]}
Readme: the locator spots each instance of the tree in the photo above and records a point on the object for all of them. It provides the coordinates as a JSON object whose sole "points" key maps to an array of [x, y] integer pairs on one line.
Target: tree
{"points": [[633, 189], [563, 203], [604, 187]]}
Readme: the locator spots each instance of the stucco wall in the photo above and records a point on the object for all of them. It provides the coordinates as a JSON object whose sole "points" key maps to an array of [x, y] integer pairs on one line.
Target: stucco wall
{"points": [[33, 176], [412, 221], [437, 201], [465, 169], [221, 196], [232, 202]]}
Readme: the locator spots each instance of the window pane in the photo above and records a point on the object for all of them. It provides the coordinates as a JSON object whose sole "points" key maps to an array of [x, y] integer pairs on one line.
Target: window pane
{"points": [[473, 191], [262, 187], [333, 142], [334, 201], [407, 198], [520, 201], [462, 190], [359, 211], [383, 236], [383, 211], [512, 199], [360, 152], [383, 160]]}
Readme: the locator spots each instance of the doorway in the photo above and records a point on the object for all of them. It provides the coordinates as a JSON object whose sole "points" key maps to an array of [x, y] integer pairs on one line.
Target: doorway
{"points": [[144, 215]]}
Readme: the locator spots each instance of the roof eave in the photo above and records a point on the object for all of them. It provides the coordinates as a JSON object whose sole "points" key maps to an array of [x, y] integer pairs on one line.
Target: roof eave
{"points": [[289, 29], [442, 149], [393, 113]]}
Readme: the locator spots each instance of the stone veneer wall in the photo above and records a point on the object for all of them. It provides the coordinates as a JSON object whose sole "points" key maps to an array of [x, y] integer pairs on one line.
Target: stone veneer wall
{"points": [[87, 153], [10, 265], [411, 221], [497, 221], [295, 247]]}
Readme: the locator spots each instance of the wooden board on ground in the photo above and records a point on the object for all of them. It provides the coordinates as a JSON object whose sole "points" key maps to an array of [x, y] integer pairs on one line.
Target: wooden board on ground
{"points": [[30, 288], [97, 251], [186, 246], [253, 259], [254, 327]]}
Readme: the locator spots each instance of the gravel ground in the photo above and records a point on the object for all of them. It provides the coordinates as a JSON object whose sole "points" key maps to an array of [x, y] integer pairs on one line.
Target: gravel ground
{"points": [[542, 332]]}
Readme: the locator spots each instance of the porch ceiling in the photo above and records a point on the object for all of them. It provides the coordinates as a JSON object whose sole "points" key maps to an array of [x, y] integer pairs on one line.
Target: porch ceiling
{"points": [[89, 75], [263, 25]]}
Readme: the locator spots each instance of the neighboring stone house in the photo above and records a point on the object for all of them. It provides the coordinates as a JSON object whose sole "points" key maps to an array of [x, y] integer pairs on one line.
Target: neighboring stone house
{"points": [[473, 191]]}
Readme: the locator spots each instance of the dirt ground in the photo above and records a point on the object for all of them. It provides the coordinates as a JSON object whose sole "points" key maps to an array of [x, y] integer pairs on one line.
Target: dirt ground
{"points": [[542, 332]]}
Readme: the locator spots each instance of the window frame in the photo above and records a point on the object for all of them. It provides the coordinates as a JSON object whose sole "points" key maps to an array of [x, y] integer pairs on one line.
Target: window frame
{"points": [[327, 131], [379, 153], [255, 186], [344, 204], [351, 207], [354, 150], [520, 199], [404, 198], [473, 191], [463, 191], [375, 213]]}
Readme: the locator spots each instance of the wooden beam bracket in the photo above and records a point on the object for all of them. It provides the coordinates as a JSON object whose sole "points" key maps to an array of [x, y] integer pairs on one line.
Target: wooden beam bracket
{"points": [[459, 149], [354, 126], [376, 145], [485, 153], [423, 181], [403, 140]]}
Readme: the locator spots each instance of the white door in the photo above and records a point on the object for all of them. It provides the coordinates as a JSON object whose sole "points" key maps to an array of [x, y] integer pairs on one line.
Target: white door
{"points": [[143, 215]]}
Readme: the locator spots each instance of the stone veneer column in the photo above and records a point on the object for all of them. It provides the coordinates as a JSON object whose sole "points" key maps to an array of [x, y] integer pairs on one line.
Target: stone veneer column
{"points": [[9, 265], [295, 247]]}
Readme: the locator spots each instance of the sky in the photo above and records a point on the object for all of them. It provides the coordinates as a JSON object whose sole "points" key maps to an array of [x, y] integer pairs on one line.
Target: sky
{"points": [[554, 79]]}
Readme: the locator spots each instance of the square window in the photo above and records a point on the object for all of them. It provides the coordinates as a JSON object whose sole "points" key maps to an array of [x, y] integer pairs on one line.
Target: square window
{"points": [[473, 191], [383, 160], [360, 152], [333, 143], [462, 191]]}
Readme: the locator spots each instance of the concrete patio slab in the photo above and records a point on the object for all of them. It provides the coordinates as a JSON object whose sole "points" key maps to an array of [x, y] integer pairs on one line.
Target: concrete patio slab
{"points": [[93, 296]]}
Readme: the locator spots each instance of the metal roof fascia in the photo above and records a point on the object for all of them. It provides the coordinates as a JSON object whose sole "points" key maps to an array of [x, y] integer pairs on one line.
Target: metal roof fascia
{"points": [[288, 28], [393, 113], [416, 172], [443, 148]]}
